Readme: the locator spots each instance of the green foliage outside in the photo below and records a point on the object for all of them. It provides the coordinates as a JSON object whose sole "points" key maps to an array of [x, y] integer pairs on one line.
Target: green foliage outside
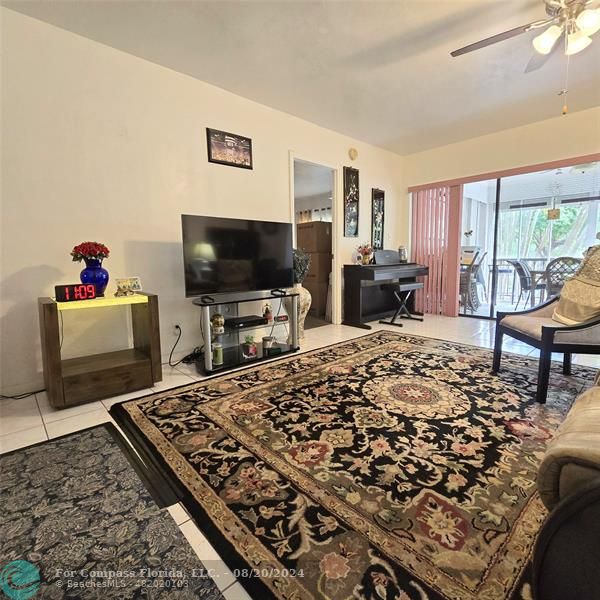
{"points": [[527, 233]]}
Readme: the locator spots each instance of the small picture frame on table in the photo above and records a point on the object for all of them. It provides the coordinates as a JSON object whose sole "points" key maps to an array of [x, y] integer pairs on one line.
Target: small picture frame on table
{"points": [[128, 286]]}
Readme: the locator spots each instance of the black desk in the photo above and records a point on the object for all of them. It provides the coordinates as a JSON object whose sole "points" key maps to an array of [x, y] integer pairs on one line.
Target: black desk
{"points": [[365, 298]]}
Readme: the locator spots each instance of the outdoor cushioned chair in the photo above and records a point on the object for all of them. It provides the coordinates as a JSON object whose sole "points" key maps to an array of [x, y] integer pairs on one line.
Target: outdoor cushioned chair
{"points": [[566, 324], [469, 298]]}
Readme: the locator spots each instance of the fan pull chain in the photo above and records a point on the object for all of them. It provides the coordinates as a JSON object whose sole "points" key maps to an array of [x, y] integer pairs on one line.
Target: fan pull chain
{"points": [[565, 91]]}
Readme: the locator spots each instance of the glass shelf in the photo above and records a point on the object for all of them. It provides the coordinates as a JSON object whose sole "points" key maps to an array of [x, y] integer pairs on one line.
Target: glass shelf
{"points": [[233, 357], [233, 298], [231, 330], [232, 338]]}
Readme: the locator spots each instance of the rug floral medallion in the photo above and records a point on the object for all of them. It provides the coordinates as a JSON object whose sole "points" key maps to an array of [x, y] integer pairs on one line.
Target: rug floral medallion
{"points": [[390, 466]]}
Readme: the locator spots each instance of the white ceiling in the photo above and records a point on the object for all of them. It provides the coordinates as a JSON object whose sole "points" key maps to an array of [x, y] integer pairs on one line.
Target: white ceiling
{"points": [[379, 71], [581, 180]]}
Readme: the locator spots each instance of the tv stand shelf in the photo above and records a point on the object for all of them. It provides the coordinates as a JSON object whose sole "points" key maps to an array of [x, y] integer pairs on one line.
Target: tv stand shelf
{"points": [[233, 356], [86, 378], [254, 327]]}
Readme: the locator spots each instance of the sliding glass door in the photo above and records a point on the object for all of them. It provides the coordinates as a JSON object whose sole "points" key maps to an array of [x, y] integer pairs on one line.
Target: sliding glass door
{"points": [[525, 235], [477, 249]]}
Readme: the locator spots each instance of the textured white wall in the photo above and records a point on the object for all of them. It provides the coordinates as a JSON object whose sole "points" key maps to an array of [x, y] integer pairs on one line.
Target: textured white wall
{"points": [[98, 144], [576, 134]]}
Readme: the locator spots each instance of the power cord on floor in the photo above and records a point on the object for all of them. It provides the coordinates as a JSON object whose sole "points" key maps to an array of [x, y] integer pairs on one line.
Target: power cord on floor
{"points": [[22, 396], [193, 356]]}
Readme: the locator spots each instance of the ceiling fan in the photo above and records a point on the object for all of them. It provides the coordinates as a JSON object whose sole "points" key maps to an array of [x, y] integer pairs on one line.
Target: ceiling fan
{"points": [[573, 18]]}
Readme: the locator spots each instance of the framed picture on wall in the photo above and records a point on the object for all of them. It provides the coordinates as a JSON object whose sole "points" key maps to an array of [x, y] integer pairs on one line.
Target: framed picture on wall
{"points": [[351, 196], [377, 218], [229, 149]]}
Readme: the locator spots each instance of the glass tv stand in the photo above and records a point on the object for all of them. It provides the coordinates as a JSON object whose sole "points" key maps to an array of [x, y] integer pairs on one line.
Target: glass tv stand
{"points": [[234, 349]]}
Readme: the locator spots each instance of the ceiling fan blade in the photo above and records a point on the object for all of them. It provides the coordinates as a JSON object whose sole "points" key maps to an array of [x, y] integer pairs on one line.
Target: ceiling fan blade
{"points": [[500, 37], [537, 60]]}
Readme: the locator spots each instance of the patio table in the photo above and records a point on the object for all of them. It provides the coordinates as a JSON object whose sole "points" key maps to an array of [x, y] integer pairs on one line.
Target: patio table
{"points": [[537, 277]]}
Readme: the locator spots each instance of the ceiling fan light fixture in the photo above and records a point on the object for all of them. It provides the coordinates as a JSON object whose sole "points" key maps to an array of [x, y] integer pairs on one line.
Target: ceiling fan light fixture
{"points": [[544, 42], [588, 21], [576, 42]]}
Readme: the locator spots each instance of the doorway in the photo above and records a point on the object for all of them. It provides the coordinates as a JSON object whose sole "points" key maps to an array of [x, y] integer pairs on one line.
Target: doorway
{"points": [[313, 210], [523, 235]]}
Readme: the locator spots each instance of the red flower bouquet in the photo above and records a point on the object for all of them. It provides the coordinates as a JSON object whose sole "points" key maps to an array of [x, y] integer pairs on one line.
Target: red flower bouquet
{"points": [[90, 251], [365, 250]]}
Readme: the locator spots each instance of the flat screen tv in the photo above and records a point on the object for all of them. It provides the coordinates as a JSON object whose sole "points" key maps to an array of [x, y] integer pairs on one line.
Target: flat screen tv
{"points": [[234, 255]]}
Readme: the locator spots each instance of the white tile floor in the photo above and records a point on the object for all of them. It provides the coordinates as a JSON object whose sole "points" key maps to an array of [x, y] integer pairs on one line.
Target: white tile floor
{"points": [[31, 420]]}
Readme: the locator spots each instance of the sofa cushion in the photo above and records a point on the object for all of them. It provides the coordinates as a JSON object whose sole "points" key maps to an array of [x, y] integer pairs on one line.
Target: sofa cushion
{"points": [[573, 455]]}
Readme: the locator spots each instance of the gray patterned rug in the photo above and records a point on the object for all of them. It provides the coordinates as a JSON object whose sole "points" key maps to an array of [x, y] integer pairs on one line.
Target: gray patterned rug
{"points": [[77, 522]]}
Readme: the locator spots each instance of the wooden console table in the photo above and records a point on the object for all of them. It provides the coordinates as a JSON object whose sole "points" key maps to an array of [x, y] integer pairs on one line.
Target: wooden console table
{"points": [[87, 378]]}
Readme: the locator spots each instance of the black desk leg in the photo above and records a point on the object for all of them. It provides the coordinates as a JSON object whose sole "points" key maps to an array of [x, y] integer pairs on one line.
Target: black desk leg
{"points": [[353, 305], [359, 325]]}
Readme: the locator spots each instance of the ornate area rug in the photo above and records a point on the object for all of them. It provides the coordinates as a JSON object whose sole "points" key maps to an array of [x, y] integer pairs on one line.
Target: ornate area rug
{"points": [[77, 522], [390, 466]]}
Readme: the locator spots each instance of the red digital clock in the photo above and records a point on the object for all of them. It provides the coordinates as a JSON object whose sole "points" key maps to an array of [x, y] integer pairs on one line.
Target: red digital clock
{"points": [[76, 291]]}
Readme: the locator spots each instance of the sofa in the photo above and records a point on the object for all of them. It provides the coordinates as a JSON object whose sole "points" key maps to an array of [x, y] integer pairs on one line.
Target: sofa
{"points": [[573, 456], [566, 561]]}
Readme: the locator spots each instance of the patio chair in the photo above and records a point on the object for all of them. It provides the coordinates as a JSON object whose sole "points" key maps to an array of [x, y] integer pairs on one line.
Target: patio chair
{"points": [[526, 281], [502, 271], [557, 271], [468, 284], [568, 324]]}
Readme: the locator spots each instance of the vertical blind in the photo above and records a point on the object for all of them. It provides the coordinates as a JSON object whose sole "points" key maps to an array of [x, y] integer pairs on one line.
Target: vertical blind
{"points": [[435, 240]]}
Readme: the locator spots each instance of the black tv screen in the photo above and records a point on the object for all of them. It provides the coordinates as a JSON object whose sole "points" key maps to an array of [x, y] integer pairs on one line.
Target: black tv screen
{"points": [[234, 255]]}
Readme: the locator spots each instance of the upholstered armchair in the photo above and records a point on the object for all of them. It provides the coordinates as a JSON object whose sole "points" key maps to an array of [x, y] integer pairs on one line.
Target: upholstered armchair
{"points": [[537, 328]]}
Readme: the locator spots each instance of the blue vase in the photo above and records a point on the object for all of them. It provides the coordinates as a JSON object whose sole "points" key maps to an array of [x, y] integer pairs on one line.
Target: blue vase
{"points": [[96, 274]]}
